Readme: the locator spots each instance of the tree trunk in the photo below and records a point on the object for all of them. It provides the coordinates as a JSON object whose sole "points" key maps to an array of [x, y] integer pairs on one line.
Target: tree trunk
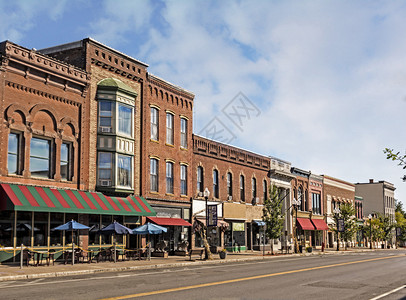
{"points": [[209, 255], [272, 246]]}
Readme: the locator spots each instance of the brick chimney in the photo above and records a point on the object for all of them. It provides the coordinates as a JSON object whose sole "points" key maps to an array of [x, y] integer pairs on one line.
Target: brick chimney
{"points": [[371, 181]]}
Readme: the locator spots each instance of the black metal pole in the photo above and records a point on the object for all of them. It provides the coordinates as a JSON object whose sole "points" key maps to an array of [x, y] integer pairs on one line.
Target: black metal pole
{"points": [[370, 233], [207, 228]]}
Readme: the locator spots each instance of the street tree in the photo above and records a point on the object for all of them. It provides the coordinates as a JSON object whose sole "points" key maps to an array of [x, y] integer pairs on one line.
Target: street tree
{"points": [[372, 230], [201, 229], [347, 214], [401, 223], [396, 156], [386, 227], [272, 215]]}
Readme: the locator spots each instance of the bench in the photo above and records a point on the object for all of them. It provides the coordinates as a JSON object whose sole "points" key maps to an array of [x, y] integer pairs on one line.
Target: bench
{"points": [[196, 252]]}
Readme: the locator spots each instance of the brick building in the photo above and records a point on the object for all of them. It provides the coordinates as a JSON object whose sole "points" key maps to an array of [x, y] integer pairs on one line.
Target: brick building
{"points": [[336, 191], [238, 182]]}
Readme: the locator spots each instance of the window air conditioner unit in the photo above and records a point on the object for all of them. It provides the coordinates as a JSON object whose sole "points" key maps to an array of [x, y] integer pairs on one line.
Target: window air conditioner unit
{"points": [[230, 198], [105, 182], [105, 129]]}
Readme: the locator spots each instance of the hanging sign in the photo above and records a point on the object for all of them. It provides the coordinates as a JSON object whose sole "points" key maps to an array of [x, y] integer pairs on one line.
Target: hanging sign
{"points": [[340, 225], [211, 218]]}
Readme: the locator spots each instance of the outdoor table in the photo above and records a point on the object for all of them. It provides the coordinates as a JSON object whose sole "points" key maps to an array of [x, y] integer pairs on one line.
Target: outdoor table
{"points": [[39, 255]]}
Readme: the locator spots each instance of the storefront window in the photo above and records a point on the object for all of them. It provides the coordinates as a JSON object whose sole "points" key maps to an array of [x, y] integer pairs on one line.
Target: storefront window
{"points": [[119, 238], [40, 228], [94, 224], [106, 220], [56, 235], [24, 228], [68, 233], [6, 228], [213, 236]]}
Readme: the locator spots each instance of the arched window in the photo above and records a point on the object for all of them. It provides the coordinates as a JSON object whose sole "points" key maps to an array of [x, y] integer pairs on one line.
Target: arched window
{"points": [[200, 179], [242, 188], [229, 184], [215, 184]]}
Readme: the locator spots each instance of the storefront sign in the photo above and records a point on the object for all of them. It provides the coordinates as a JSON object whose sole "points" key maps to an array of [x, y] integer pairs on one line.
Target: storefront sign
{"points": [[340, 225], [211, 215], [238, 226]]}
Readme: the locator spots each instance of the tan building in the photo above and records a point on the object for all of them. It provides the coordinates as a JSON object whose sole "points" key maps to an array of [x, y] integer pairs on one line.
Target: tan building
{"points": [[378, 197]]}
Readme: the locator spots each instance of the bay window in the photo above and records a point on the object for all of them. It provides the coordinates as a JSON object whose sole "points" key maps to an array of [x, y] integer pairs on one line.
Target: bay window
{"points": [[125, 119], [105, 167], [106, 116], [124, 170]]}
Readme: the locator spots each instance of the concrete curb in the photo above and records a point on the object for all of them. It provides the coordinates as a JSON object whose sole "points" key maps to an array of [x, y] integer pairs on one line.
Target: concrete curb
{"points": [[170, 265]]}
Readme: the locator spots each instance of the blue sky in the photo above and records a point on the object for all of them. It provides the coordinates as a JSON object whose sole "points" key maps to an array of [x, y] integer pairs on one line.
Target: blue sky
{"points": [[327, 77]]}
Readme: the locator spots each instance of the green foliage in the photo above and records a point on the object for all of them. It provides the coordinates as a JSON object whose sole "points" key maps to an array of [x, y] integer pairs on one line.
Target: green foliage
{"points": [[347, 213], [401, 223], [272, 214], [390, 154], [386, 227], [373, 225]]}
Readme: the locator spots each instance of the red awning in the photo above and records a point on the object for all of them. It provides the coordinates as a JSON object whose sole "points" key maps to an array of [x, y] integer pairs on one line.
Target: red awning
{"points": [[169, 221], [319, 224], [305, 224]]}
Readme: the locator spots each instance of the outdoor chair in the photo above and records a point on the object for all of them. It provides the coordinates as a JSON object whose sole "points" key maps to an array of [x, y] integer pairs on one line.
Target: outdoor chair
{"points": [[49, 256], [27, 256]]}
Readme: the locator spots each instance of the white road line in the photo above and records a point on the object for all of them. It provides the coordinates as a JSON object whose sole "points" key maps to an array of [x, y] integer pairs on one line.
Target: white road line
{"points": [[388, 293], [35, 282]]}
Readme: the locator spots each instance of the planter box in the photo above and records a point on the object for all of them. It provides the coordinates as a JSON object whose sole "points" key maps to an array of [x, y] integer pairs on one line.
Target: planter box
{"points": [[180, 253], [160, 254]]}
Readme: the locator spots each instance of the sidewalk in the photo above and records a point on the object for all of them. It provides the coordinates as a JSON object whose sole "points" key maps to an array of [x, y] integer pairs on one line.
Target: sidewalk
{"points": [[13, 272]]}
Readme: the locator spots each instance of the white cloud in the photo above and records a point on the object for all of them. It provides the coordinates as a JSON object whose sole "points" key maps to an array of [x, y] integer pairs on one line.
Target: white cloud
{"points": [[19, 16]]}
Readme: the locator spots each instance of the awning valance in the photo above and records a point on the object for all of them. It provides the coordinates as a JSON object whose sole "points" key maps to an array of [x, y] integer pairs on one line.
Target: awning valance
{"points": [[319, 224], [169, 221], [43, 199], [305, 224], [220, 223]]}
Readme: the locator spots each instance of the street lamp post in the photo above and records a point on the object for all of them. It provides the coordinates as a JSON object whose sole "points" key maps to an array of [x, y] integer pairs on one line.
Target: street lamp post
{"points": [[296, 204], [206, 194], [336, 212], [370, 231]]}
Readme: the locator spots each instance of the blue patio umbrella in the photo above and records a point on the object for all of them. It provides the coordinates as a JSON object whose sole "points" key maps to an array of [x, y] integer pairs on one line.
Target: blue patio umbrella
{"points": [[71, 225], [116, 228], [149, 228]]}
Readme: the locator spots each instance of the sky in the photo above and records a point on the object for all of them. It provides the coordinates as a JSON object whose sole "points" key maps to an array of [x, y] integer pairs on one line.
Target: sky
{"points": [[321, 84]]}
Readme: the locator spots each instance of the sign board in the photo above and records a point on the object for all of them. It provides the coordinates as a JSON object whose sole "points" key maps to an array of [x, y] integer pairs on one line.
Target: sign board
{"points": [[211, 219], [238, 226], [340, 225]]}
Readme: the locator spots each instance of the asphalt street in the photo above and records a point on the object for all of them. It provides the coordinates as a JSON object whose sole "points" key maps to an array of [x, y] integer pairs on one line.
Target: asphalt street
{"points": [[369, 275]]}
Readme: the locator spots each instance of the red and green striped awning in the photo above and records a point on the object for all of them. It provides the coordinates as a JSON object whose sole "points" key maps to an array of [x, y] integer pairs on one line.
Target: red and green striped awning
{"points": [[43, 199]]}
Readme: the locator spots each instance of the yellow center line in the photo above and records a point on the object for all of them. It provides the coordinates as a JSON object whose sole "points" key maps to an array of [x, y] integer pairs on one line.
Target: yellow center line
{"points": [[244, 279]]}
